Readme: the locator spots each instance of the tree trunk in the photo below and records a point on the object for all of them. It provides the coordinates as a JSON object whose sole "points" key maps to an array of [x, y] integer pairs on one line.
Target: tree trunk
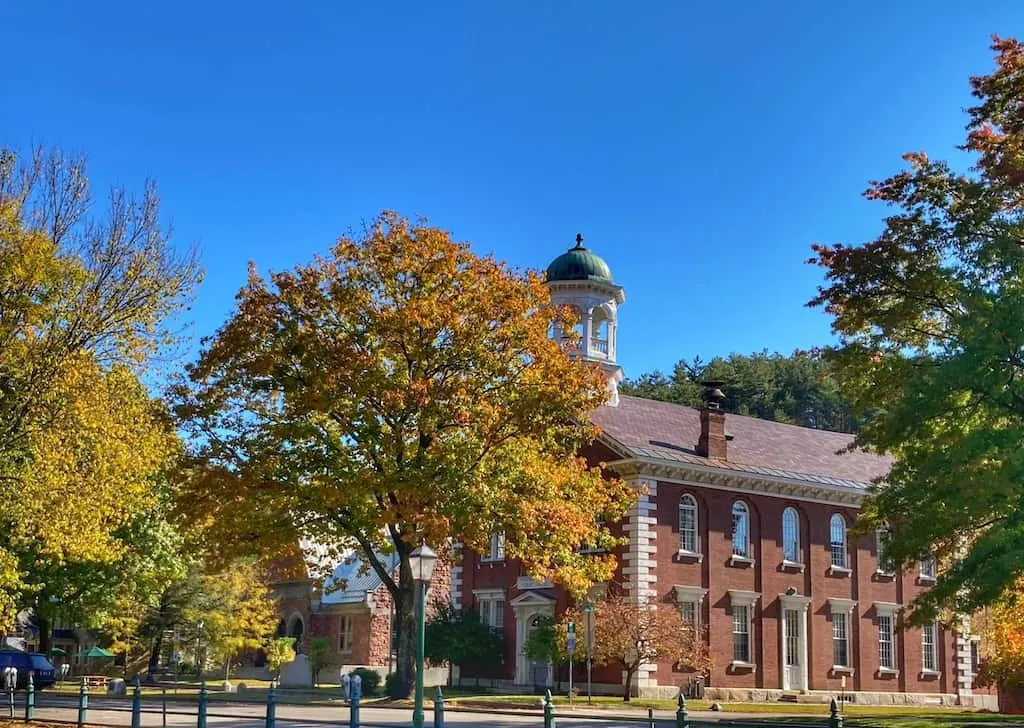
{"points": [[628, 690], [405, 613], [154, 654], [45, 627]]}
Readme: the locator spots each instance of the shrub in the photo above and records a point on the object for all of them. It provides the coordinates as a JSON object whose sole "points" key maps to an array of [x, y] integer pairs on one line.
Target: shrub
{"points": [[392, 686], [370, 678]]}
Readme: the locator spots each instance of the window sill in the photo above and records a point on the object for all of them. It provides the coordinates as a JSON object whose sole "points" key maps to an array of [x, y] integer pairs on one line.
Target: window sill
{"points": [[884, 575], [842, 670], [740, 562], [693, 556], [492, 561], [839, 571], [925, 580], [792, 566], [888, 672], [741, 666], [929, 675]]}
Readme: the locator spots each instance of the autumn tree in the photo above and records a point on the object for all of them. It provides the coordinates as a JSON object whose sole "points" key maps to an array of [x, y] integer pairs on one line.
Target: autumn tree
{"points": [[930, 317], [400, 390], [628, 634], [280, 652], [237, 612], [87, 298]]}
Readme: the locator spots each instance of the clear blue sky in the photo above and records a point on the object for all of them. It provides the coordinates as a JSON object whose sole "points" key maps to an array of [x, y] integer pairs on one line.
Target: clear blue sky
{"points": [[700, 147]]}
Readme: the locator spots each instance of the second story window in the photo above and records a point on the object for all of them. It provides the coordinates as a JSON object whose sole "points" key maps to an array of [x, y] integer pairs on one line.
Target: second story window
{"points": [[882, 538], [928, 567], [496, 551], [740, 530], [791, 536], [837, 541], [688, 524]]}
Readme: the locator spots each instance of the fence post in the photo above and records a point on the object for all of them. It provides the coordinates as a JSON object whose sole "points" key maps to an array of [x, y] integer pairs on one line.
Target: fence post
{"points": [[201, 715], [650, 718], [164, 702], [137, 704], [834, 719], [271, 706], [83, 703], [10, 680], [682, 721], [549, 711], [438, 708], [356, 687], [30, 698]]}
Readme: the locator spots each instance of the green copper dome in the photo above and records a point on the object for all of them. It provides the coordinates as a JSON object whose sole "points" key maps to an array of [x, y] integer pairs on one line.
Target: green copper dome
{"points": [[579, 264]]}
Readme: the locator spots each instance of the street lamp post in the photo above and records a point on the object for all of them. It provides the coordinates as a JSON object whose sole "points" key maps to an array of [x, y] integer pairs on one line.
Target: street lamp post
{"points": [[422, 561]]}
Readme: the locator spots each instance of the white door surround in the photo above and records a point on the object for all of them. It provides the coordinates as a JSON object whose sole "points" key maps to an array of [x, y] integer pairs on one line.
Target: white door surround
{"points": [[526, 608], [793, 640]]}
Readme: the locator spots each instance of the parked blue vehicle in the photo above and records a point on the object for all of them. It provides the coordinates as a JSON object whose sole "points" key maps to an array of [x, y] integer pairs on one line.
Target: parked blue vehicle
{"points": [[43, 673]]}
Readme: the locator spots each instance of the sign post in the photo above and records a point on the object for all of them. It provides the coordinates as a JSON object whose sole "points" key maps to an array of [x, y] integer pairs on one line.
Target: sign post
{"points": [[571, 645], [588, 626]]}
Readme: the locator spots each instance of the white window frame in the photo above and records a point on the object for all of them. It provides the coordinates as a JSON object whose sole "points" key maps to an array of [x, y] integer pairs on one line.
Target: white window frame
{"points": [[887, 611], [882, 537], [490, 607], [496, 550], [842, 611], [792, 538], [742, 548], [743, 604], [837, 538], [690, 598], [688, 505], [840, 639], [930, 649], [927, 575], [345, 634], [886, 643]]}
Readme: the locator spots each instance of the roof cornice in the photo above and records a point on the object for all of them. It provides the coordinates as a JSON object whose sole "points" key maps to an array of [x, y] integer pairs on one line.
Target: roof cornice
{"points": [[732, 480]]}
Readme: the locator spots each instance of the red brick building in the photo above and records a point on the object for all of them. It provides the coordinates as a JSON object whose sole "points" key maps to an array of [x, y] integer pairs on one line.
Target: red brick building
{"points": [[742, 524]]}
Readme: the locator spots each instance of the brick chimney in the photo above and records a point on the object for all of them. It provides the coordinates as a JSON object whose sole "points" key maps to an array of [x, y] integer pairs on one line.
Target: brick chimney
{"points": [[712, 443]]}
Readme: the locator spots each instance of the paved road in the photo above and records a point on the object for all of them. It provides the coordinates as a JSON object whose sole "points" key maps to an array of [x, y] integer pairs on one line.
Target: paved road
{"points": [[233, 714]]}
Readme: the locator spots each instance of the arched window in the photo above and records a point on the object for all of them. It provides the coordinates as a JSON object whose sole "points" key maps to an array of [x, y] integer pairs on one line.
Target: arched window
{"points": [[740, 530], [791, 535], [837, 540], [688, 524]]}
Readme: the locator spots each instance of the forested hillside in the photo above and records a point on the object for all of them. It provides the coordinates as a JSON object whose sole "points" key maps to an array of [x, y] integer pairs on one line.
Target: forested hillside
{"points": [[797, 389]]}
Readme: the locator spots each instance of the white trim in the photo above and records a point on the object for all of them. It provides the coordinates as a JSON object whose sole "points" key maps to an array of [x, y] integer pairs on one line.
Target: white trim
{"points": [[489, 591], [531, 598], [887, 609], [843, 571], [743, 598], [838, 605], [739, 481], [793, 566], [741, 561], [689, 593]]}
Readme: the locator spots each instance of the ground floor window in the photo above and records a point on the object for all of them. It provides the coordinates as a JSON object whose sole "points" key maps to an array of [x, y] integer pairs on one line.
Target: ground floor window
{"points": [[886, 653], [840, 639], [492, 613], [345, 644], [689, 609], [929, 659], [741, 633]]}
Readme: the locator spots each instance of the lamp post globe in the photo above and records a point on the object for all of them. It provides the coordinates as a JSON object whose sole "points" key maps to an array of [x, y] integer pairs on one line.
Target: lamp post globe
{"points": [[421, 561]]}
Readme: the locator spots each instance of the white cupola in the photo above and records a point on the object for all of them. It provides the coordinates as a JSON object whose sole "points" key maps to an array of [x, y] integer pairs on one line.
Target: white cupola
{"points": [[582, 280]]}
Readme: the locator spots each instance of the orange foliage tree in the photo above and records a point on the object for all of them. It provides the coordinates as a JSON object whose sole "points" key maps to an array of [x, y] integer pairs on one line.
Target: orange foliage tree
{"points": [[630, 634], [400, 390]]}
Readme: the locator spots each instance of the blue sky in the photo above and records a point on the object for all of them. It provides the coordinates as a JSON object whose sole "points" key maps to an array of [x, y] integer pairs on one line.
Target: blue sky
{"points": [[700, 147]]}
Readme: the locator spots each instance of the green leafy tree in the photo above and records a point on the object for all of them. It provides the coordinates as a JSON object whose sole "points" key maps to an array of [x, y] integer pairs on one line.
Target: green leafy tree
{"points": [[321, 656], [797, 389], [401, 390], [280, 652], [930, 317], [461, 638]]}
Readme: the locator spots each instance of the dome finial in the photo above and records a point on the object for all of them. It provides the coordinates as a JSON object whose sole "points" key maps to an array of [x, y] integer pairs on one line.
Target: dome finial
{"points": [[579, 240]]}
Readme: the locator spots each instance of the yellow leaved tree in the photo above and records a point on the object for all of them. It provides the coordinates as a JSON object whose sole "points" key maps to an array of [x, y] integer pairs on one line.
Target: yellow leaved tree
{"points": [[400, 390], [86, 300]]}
